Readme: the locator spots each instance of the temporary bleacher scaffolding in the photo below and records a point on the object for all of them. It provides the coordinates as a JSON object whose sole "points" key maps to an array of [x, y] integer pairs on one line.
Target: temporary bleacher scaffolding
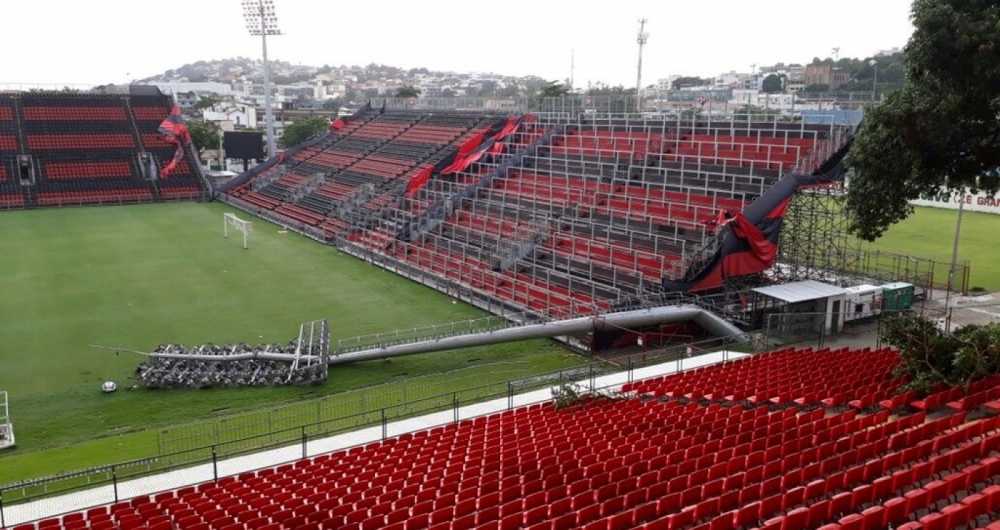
{"points": [[569, 215]]}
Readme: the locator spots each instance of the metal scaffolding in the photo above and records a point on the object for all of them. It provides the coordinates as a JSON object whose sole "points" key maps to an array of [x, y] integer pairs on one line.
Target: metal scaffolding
{"points": [[814, 242]]}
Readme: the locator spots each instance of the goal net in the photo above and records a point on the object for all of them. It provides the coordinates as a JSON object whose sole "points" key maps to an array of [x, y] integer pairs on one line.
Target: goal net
{"points": [[231, 222], [6, 429]]}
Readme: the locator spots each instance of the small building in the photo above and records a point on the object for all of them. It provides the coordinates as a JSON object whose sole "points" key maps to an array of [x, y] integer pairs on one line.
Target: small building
{"points": [[806, 308], [186, 100]]}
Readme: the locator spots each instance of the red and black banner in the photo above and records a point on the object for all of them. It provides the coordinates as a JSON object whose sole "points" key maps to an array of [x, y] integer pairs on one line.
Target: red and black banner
{"points": [[749, 239], [488, 141], [174, 131]]}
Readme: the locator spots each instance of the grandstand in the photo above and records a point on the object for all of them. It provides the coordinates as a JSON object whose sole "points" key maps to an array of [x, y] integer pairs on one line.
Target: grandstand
{"points": [[64, 149], [556, 216], [791, 439]]}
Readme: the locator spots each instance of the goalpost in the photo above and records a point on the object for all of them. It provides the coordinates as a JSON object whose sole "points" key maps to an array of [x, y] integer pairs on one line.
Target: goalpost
{"points": [[241, 226], [6, 429]]}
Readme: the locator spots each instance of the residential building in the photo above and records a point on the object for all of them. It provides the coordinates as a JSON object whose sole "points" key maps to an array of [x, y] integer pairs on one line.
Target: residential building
{"points": [[824, 74], [186, 100]]}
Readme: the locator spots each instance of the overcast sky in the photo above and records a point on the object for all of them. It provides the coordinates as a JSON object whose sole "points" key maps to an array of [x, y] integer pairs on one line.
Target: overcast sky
{"points": [[102, 41]]}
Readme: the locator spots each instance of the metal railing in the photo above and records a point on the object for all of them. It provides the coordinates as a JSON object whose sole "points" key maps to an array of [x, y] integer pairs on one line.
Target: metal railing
{"points": [[208, 462]]}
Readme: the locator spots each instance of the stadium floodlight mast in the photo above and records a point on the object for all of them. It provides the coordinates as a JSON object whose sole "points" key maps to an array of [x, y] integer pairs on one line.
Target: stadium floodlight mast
{"points": [[261, 20], [641, 40]]}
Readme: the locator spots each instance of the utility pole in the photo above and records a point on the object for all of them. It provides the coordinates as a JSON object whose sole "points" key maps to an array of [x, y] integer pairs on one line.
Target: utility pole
{"points": [[572, 68], [642, 38]]}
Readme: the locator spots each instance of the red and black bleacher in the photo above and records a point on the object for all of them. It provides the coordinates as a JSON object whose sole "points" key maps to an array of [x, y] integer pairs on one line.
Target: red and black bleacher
{"points": [[84, 148]]}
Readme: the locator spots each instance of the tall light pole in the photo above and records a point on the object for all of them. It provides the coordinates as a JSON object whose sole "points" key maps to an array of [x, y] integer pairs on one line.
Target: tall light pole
{"points": [[954, 258], [261, 20], [641, 40], [874, 64]]}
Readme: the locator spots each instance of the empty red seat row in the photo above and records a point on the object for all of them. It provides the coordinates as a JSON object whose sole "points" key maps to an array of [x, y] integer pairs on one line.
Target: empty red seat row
{"points": [[153, 140], [8, 142], [6, 113], [10, 200], [303, 215], [93, 196], [57, 113], [80, 141], [180, 192], [86, 169], [145, 113]]}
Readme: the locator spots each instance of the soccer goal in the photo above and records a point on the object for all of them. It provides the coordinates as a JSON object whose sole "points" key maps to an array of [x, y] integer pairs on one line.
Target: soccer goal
{"points": [[6, 429], [229, 220]]}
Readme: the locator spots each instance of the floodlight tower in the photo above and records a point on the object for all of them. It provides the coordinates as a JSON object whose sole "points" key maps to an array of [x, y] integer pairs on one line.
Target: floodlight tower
{"points": [[641, 40], [261, 20]]}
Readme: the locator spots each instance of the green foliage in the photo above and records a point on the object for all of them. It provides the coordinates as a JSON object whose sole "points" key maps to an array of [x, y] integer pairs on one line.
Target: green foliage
{"points": [[942, 128], [332, 104], [569, 394], [772, 83], [817, 88], [407, 91], [688, 81], [205, 102], [930, 356], [600, 89], [553, 89], [302, 129], [204, 134], [755, 113], [692, 113]]}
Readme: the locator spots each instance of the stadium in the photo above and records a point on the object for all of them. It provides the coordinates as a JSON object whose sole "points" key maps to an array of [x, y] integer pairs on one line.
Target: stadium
{"points": [[579, 313]]}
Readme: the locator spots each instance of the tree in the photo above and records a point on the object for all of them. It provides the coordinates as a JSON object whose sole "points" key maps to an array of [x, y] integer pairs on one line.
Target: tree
{"points": [[553, 89], [332, 104], [687, 81], [447, 93], [350, 94], [929, 356], [407, 91], [487, 88], [942, 128], [817, 89], [204, 134], [772, 84], [302, 129], [755, 113], [205, 102]]}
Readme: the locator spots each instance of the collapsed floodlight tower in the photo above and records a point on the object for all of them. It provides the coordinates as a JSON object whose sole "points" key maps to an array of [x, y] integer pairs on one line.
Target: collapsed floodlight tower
{"points": [[641, 40], [261, 20]]}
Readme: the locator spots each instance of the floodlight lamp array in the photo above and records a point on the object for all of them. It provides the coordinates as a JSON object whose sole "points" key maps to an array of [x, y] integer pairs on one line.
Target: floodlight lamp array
{"points": [[254, 11]]}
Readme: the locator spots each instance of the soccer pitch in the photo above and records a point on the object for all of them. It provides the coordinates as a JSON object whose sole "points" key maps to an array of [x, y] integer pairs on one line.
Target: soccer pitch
{"points": [[930, 232], [137, 276]]}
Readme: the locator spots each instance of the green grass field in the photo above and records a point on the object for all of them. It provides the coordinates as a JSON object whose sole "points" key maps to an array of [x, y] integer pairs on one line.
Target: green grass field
{"points": [[137, 276], [929, 233]]}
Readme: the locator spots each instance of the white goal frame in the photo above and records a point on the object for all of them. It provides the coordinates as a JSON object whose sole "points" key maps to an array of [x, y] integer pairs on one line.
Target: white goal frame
{"points": [[242, 226], [6, 429]]}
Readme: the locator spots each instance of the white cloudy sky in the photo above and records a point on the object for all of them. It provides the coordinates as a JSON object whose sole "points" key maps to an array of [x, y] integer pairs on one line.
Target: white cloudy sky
{"points": [[101, 41]]}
